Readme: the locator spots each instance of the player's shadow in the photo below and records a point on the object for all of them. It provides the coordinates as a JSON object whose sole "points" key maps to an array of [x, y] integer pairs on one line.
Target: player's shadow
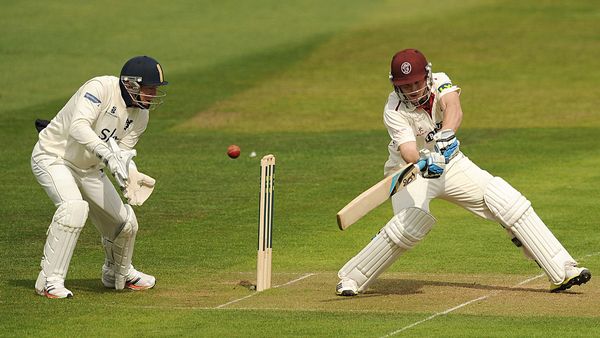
{"points": [[397, 286], [88, 285], [415, 286]]}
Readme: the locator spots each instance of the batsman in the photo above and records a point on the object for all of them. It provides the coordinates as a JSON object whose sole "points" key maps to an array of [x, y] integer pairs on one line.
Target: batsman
{"points": [[94, 134], [422, 115]]}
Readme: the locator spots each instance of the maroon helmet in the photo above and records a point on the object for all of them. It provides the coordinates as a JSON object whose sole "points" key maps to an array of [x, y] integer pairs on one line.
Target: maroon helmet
{"points": [[410, 66]]}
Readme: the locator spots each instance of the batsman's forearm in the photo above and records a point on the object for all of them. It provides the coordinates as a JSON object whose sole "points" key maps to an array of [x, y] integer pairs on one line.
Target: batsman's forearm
{"points": [[452, 111], [452, 120], [409, 152]]}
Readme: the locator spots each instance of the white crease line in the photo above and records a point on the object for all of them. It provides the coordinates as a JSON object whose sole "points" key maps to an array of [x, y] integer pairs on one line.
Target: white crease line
{"points": [[235, 301], [529, 280], [469, 302], [435, 315], [295, 280], [255, 293]]}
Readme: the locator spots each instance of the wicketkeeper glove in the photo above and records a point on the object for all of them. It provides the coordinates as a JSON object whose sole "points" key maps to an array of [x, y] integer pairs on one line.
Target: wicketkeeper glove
{"points": [[139, 186], [447, 144], [432, 164], [116, 160]]}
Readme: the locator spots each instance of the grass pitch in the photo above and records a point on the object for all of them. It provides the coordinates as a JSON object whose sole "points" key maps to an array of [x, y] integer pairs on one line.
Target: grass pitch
{"points": [[307, 81]]}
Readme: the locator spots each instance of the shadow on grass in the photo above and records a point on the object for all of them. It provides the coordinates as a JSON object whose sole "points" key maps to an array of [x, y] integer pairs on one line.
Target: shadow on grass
{"points": [[414, 286], [88, 285], [386, 287]]}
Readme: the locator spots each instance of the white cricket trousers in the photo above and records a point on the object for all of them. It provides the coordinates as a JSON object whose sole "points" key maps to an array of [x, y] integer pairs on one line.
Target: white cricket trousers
{"points": [[64, 183], [462, 183]]}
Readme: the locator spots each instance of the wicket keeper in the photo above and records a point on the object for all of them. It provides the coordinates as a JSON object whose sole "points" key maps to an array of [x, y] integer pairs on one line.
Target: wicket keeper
{"points": [[93, 134]]}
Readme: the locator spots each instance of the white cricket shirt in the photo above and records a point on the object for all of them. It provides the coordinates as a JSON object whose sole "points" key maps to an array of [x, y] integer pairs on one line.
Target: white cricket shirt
{"points": [[416, 124], [94, 113]]}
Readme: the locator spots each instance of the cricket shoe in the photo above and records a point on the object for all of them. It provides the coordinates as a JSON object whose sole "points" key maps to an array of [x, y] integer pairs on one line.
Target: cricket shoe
{"points": [[574, 276], [135, 280], [51, 287], [346, 287]]}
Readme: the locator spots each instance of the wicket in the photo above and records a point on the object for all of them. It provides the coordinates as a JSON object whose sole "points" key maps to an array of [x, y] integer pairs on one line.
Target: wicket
{"points": [[265, 223]]}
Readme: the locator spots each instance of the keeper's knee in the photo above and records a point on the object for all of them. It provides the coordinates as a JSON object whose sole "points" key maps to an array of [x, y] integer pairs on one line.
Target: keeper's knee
{"points": [[128, 228], [71, 214]]}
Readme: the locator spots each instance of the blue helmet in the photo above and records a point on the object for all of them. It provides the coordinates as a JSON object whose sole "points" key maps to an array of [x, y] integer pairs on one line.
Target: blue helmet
{"points": [[142, 71]]}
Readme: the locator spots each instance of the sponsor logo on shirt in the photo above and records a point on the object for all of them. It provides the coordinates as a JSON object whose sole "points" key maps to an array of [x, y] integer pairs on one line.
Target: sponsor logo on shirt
{"points": [[444, 86], [112, 112], [92, 98], [105, 134], [127, 123], [437, 128]]}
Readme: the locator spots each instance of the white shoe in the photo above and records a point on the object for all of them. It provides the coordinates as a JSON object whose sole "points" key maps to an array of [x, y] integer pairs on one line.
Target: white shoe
{"points": [[135, 280], [346, 287], [51, 287], [574, 276]]}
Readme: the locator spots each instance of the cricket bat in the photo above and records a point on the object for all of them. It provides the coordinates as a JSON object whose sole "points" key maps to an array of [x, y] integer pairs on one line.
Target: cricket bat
{"points": [[376, 195]]}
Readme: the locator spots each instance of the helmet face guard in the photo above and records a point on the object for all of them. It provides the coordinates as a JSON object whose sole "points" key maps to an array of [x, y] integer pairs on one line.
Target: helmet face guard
{"points": [[407, 98], [133, 85], [141, 77], [410, 66]]}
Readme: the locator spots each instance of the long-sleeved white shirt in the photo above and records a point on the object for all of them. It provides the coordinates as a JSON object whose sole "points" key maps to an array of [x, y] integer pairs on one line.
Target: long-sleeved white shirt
{"points": [[95, 113]]}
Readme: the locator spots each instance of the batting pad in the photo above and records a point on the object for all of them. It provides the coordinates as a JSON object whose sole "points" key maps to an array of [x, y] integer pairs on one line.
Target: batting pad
{"points": [[516, 214], [62, 234], [400, 234], [119, 251]]}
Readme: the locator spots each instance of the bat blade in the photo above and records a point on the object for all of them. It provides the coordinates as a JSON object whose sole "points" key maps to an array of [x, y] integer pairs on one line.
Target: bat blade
{"points": [[376, 195]]}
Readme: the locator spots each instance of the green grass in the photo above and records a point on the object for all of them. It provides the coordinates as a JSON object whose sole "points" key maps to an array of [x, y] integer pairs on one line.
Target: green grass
{"points": [[307, 81]]}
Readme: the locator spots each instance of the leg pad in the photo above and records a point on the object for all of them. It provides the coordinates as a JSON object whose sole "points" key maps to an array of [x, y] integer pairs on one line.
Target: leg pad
{"points": [[516, 214], [119, 250], [63, 232], [401, 233]]}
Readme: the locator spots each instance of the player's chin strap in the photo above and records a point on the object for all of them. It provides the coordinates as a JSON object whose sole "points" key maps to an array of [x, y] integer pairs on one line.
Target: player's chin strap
{"points": [[119, 250]]}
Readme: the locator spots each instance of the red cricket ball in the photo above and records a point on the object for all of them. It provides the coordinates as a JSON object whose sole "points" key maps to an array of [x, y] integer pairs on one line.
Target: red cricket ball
{"points": [[233, 151]]}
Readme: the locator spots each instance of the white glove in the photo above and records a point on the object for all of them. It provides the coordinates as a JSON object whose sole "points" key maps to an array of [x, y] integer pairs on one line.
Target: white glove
{"points": [[432, 164], [115, 159], [139, 186], [446, 143]]}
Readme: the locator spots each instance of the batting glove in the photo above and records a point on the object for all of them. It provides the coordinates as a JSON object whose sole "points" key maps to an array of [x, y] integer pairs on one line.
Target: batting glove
{"points": [[447, 144], [432, 164]]}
